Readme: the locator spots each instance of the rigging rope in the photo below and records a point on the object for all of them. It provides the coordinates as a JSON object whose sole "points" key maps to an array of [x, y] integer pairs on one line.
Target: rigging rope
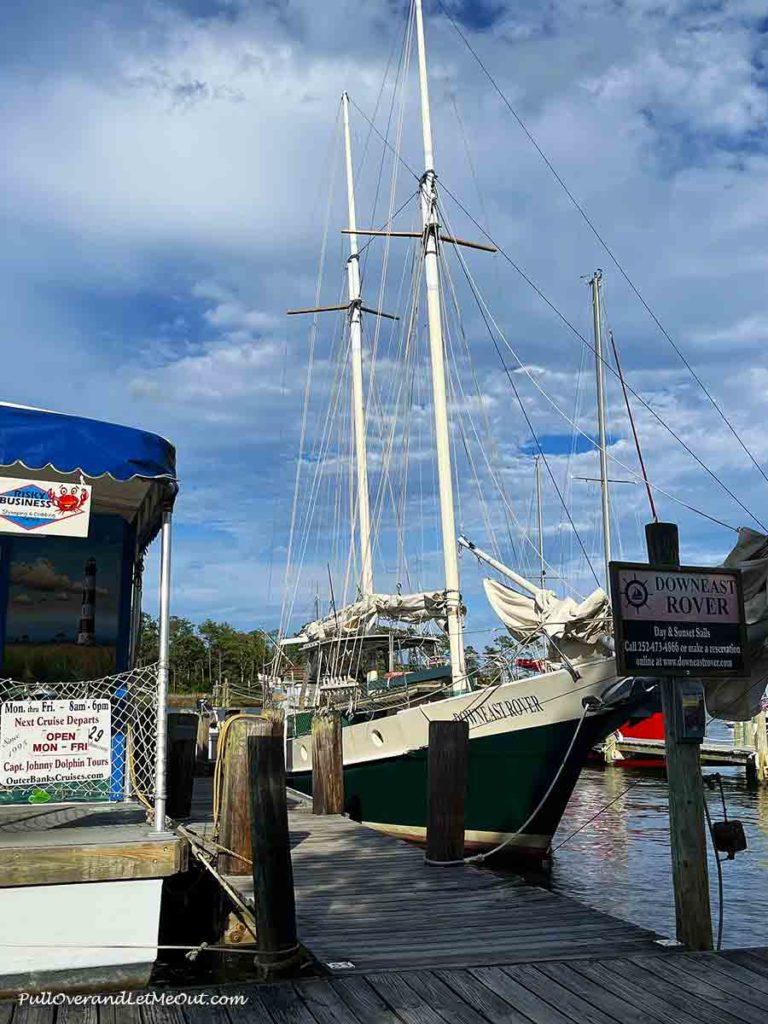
{"points": [[639, 450], [310, 365], [548, 302], [614, 259], [565, 416], [610, 368], [534, 435]]}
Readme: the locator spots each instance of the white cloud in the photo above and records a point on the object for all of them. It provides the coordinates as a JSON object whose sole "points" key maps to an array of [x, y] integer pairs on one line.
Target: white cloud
{"points": [[163, 195]]}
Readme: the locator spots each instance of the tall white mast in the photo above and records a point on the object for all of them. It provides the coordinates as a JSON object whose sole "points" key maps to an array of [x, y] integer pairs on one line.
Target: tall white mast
{"points": [[597, 317], [358, 403], [540, 524], [428, 191]]}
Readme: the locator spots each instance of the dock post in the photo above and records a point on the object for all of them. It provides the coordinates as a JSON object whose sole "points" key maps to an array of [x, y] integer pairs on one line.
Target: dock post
{"points": [[273, 894], [447, 760], [327, 764], [685, 788], [180, 770], [760, 744], [203, 739], [738, 734], [235, 815]]}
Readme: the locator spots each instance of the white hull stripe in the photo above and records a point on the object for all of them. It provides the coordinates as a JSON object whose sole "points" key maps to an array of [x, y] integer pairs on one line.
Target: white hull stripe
{"points": [[472, 837]]}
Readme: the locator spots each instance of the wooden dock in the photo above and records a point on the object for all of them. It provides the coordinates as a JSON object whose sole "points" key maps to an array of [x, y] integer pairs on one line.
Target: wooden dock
{"points": [[695, 988], [397, 942], [711, 752], [367, 902]]}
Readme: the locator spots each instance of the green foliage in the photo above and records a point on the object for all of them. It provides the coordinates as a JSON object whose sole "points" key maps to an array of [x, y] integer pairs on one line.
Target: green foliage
{"points": [[202, 654]]}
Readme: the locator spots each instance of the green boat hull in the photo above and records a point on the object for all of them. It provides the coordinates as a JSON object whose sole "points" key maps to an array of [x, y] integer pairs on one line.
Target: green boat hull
{"points": [[509, 775]]}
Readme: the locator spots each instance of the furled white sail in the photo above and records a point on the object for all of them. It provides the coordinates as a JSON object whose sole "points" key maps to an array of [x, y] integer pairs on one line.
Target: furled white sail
{"points": [[560, 619], [737, 699], [360, 618]]}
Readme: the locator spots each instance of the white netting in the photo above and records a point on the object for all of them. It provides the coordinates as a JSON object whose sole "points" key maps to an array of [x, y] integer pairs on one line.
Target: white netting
{"points": [[127, 701]]}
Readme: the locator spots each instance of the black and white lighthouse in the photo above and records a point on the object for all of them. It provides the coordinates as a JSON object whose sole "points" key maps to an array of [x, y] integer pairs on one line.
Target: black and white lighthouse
{"points": [[86, 633]]}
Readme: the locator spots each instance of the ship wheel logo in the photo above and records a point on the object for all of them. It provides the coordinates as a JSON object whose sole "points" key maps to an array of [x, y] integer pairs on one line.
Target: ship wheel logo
{"points": [[636, 594]]}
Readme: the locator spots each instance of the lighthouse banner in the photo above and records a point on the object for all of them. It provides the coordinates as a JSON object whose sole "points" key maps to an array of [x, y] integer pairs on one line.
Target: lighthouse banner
{"points": [[44, 507], [45, 742]]}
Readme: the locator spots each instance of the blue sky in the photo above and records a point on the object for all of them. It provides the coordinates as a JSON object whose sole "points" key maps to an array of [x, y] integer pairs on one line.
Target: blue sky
{"points": [[162, 197]]}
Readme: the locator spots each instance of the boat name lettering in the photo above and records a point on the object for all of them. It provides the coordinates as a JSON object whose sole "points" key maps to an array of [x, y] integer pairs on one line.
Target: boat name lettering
{"points": [[486, 713]]}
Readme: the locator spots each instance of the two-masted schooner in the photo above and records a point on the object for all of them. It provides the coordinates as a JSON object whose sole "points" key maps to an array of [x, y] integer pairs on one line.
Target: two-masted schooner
{"points": [[528, 736]]}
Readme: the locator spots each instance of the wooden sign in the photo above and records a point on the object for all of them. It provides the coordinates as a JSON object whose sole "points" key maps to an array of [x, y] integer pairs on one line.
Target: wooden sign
{"points": [[687, 621]]}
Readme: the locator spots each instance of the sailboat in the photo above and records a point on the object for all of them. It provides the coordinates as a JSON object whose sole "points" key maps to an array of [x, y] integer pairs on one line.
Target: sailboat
{"points": [[528, 737]]}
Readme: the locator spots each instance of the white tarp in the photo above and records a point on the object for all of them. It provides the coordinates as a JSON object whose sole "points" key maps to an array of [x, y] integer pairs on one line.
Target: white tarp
{"points": [[569, 625], [737, 699], [557, 618], [360, 618]]}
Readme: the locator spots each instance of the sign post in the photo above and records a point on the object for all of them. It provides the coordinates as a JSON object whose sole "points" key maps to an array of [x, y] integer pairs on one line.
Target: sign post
{"points": [[680, 624]]}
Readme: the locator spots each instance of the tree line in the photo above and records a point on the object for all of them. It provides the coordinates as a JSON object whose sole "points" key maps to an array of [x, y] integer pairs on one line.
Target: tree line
{"points": [[207, 655], [202, 655]]}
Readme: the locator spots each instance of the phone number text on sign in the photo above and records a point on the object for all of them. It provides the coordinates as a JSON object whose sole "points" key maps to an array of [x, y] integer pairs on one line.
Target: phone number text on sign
{"points": [[53, 741]]}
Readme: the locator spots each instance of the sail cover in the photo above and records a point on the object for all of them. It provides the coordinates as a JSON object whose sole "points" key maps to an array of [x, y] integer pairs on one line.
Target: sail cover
{"points": [[560, 619], [573, 627], [737, 698], [360, 618]]}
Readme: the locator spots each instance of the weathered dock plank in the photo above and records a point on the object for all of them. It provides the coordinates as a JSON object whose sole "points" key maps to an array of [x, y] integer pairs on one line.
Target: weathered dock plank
{"points": [[711, 752], [403, 943], [368, 901], [83, 843], [554, 993], [689, 988]]}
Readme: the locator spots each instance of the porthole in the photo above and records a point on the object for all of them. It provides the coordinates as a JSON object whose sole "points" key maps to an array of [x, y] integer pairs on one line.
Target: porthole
{"points": [[377, 738], [303, 753]]}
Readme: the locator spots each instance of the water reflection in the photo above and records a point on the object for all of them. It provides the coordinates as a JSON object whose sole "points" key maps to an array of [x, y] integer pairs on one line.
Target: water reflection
{"points": [[620, 862]]}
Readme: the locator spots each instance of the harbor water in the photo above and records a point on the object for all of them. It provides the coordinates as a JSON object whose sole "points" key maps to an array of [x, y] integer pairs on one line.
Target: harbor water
{"points": [[620, 862]]}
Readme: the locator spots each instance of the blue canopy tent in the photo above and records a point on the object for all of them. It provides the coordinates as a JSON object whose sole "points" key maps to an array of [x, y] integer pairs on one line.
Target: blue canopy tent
{"points": [[133, 475]]}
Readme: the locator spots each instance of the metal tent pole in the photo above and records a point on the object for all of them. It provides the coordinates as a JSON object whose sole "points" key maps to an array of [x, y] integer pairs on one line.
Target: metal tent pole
{"points": [[162, 671]]}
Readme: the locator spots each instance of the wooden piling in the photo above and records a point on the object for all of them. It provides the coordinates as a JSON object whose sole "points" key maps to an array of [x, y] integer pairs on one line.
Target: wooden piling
{"points": [[447, 760], [180, 761], [273, 893], [180, 777], [234, 813], [685, 788], [760, 741], [327, 764], [202, 765]]}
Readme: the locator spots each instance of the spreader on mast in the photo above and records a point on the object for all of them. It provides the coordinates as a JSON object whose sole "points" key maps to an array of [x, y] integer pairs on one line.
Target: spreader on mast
{"points": [[428, 192], [356, 346]]}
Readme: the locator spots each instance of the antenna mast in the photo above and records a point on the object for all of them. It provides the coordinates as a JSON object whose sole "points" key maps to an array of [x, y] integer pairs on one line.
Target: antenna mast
{"points": [[428, 192], [597, 317], [356, 345]]}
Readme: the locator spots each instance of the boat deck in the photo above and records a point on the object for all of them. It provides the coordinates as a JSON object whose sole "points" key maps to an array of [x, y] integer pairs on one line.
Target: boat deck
{"points": [[367, 902]]}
